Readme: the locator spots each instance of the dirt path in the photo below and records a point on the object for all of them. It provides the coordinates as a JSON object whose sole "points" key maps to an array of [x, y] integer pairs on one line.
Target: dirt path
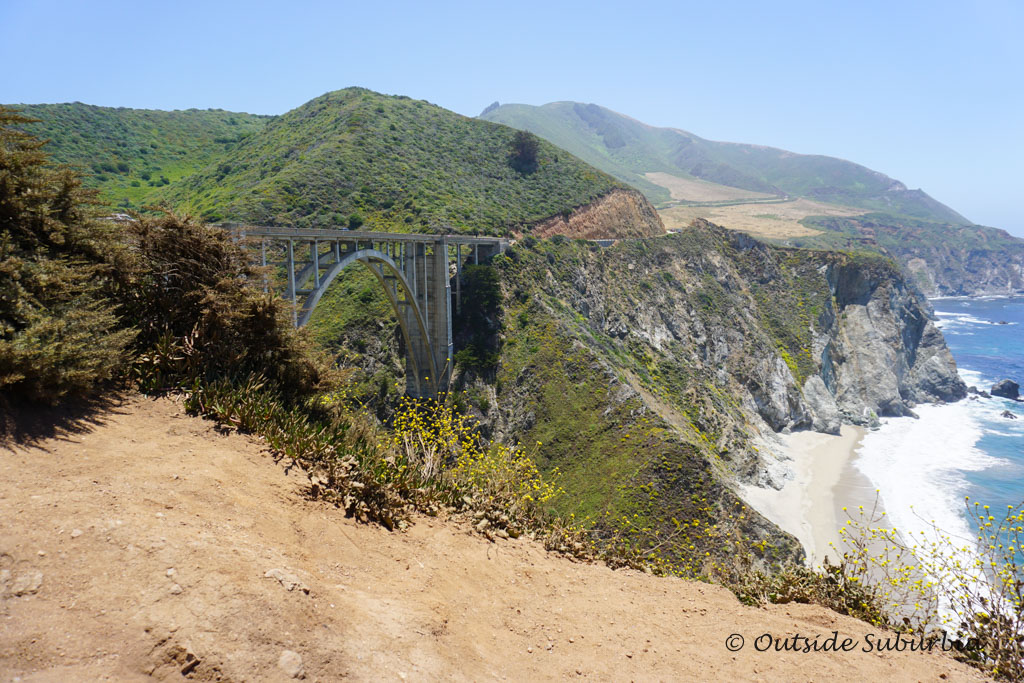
{"points": [[140, 548]]}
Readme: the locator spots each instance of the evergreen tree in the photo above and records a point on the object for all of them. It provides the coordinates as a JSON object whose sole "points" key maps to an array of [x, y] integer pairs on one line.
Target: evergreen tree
{"points": [[59, 331], [525, 146]]}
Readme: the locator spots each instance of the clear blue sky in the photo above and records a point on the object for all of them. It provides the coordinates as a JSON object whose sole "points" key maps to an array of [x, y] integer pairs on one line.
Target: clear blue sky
{"points": [[931, 93]]}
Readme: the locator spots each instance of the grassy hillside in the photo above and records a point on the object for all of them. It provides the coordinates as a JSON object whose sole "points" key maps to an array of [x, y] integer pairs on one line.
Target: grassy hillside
{"points": [[629, 149], [355, 157], [128, 154]]}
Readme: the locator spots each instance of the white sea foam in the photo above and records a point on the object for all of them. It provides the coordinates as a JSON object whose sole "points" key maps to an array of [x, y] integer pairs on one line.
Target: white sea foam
{"points": [[959, 321], [918, 465], [919, 468], [971, 377]]}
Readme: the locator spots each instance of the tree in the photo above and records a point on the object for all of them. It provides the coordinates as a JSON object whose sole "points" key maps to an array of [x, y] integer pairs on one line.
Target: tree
{"points": [[525, 146], [59, 329]]}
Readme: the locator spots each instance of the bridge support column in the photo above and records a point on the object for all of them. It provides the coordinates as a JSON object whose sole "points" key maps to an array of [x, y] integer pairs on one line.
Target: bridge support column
{"points": [[291, 283], [440, 307], [418, 366]]}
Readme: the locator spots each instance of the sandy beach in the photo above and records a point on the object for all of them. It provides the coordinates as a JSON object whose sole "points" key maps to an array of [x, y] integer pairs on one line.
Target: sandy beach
{"points": [[824, 481]]}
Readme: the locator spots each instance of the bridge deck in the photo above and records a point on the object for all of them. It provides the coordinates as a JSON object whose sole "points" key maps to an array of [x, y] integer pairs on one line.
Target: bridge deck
{"points": [[342, 234]]}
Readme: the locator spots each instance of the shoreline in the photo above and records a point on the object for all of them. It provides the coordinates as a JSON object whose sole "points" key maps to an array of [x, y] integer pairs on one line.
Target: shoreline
{"points": [[824, 481]]}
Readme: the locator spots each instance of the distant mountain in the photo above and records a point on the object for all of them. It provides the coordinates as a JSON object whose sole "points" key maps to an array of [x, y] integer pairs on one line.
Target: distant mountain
{"points": [[797, 199], [356, 157], [129, 154], [631, 150]]}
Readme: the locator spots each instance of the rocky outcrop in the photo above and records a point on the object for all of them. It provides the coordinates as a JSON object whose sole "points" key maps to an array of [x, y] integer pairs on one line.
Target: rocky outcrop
{"points": [[822, 405], [942, 259], [882, 354], [802, 339], [619, 214], [1006, 388]]}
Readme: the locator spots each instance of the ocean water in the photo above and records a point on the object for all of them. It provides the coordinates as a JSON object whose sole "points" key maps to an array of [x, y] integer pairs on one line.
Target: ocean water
{"points": [[923, 468]]}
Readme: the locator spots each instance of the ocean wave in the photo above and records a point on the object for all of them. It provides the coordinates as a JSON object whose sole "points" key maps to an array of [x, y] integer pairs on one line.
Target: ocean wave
{"points": [[956, 321], [971, 377], [919, 467]]}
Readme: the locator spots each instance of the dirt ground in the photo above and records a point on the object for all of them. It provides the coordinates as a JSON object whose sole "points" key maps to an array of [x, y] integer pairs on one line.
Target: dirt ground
{"points": [[149, 545]]}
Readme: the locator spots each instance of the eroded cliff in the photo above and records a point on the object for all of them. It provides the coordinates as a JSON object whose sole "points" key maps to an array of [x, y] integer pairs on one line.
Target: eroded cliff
{"points": [[649, 370], [620, 213]]}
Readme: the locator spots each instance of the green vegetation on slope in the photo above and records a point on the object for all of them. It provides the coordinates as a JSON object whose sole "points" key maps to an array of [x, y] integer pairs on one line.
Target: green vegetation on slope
{"points": [[360, 159], [576, 379], [128, 154], [627, 149]]}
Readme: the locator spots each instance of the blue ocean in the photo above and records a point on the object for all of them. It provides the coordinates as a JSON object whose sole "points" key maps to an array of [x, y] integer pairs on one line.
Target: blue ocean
{"points": [[924, 467]]}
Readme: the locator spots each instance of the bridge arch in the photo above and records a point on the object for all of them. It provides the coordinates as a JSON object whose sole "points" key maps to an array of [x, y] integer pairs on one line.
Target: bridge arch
{"points": [[414, 270], [377, 262]]}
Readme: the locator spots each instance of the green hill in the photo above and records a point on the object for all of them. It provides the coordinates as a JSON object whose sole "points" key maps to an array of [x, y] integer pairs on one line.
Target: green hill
{"points": [[629, 149], [129, 154], [356, 157]]}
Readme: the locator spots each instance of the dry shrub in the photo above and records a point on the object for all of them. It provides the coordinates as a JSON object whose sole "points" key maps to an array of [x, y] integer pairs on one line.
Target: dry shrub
{"points": [[933, 581], [192, 293]]}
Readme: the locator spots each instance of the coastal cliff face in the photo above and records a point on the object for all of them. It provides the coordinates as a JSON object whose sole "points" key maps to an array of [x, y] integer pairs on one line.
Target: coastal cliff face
{"points": [[943, 259], [884, 354], [650, 371], [944, 271]]}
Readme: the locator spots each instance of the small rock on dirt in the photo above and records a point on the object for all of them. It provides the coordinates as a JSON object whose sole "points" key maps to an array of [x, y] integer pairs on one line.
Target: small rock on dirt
{"points": [[26, 584], [75, 533], [290, 663], [287, 579], [176, 589]]}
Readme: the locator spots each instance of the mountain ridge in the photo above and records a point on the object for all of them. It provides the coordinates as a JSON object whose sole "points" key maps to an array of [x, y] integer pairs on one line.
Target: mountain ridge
{"points": [[712, 158], [390, 163], [809, 200]]}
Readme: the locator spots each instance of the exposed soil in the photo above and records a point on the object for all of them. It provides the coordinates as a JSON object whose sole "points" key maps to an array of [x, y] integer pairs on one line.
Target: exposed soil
{"points": [[139, 547], [617, 215]]}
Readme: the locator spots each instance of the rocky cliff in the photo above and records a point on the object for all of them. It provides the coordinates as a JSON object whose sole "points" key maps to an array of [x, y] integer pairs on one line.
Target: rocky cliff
{"points": [[649, 370], [943, 259]]}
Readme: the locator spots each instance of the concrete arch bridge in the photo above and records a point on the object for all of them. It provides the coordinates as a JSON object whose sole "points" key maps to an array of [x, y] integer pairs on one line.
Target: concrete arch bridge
{"points": [[415, 271]]}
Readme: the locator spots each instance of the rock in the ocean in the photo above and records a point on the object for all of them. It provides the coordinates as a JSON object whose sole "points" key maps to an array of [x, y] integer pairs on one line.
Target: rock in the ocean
{"points": [[1006, 388], [1008, 415]]}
